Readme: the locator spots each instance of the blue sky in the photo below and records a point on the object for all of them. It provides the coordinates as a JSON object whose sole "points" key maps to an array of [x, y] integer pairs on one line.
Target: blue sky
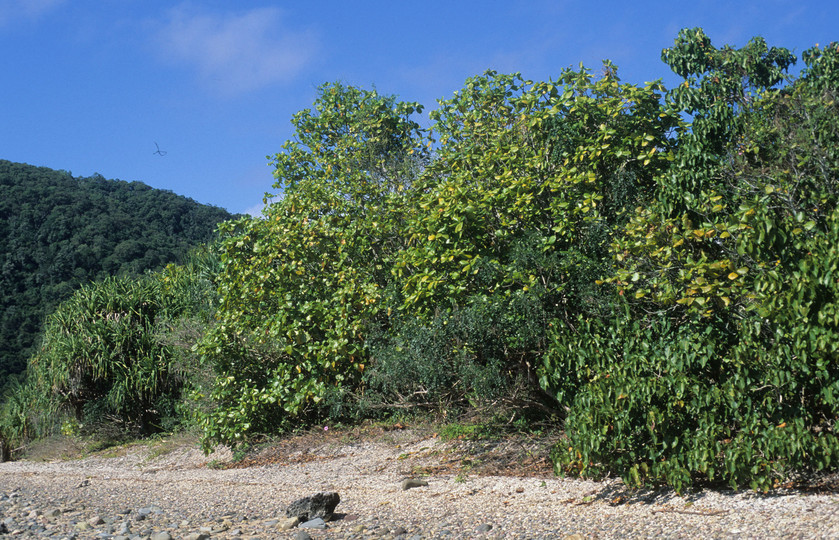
{"points": [[92, 86]]}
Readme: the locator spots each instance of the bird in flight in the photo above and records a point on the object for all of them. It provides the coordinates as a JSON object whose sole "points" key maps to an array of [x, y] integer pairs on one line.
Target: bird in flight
{"points": [[159, 151]]}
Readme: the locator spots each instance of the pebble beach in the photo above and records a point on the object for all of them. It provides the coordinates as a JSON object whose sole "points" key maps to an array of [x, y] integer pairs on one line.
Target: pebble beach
{"points": [[386, 492]]}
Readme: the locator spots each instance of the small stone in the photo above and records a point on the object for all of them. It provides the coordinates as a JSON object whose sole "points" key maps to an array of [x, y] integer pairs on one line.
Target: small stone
{"points": [[95, 520], [288, 523], [83, 526], [162, 535], [358, 529], [53, 513], [409, 483], [317, 523], [485, 528], [235, 532], [196, 536], [302, 535], [398, 531]]}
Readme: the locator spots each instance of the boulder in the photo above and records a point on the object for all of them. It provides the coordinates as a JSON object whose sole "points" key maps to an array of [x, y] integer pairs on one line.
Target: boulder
{"points": [[320, 505]]}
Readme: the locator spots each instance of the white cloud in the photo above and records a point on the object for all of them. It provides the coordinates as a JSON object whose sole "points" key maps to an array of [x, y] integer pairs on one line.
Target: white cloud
{"points": [[236, 52]]}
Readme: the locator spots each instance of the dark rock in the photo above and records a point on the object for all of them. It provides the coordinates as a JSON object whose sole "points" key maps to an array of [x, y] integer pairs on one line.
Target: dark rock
{"points": [[320, 505], [302, 535], [316, 523]]}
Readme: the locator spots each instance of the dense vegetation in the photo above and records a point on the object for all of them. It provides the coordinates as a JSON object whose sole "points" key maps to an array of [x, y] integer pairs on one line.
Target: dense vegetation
{"points": [[655, 269], [58, 232]]}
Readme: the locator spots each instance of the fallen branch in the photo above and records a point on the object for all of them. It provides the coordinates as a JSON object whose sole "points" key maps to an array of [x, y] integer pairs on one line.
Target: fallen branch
{"points": [[692, 512]]}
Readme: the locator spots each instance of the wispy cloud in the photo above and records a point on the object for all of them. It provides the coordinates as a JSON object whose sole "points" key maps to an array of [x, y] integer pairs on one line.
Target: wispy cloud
{"points": [[236, 52], [12, 10]]}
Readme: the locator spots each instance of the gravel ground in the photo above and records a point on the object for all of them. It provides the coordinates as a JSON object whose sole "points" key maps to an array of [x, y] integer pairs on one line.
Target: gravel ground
{"points": [[142, 494]]}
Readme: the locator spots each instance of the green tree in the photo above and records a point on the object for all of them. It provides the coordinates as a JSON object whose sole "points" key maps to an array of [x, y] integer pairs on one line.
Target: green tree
{"points": [[301, 287], [514, 215], [721, 363]]}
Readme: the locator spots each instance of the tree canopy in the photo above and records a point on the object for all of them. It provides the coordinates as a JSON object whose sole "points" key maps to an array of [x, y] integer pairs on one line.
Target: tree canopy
{"points": [[58, 232]]}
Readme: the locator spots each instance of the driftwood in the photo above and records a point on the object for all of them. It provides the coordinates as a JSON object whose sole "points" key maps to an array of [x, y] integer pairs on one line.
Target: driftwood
{"points": [[693, 512]]}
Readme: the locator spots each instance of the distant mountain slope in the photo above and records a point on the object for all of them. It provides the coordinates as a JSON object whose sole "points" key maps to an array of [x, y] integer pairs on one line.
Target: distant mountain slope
{"points": [[58, 232]]}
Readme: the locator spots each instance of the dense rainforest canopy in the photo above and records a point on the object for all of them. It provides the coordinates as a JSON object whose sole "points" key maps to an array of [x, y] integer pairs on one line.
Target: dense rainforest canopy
{"points": [[58, 232], [653, 271]]}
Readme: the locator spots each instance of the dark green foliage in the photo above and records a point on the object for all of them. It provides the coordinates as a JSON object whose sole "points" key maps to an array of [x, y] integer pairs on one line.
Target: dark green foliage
{"points": [[116, 357], [474, 355], [718, 360], [654, 402], [58, 232]]}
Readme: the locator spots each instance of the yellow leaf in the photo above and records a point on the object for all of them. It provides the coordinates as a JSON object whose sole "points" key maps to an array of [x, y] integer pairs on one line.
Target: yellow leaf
{"points": [[733, 275]]}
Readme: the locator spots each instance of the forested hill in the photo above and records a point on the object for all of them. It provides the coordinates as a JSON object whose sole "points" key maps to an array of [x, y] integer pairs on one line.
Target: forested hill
{"points": [[58, 232]]}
